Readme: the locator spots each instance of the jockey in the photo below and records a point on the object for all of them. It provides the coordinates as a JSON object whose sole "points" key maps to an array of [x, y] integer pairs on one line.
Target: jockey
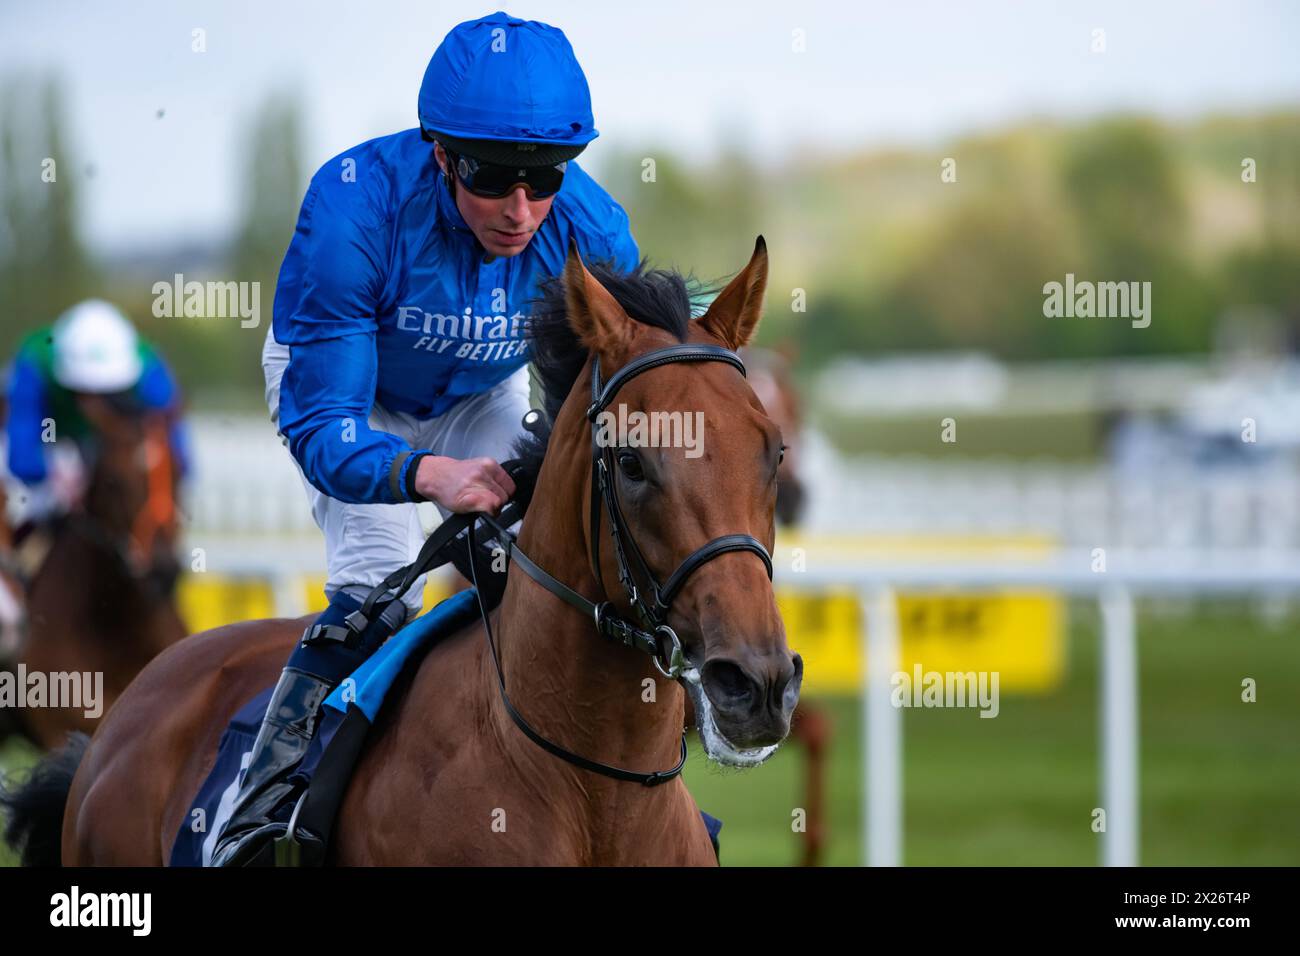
{"points": [[396, 364], [92, 349]]}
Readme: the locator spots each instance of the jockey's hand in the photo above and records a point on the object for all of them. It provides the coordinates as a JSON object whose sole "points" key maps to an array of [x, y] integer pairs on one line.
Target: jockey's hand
{"points": [[475, 484]]}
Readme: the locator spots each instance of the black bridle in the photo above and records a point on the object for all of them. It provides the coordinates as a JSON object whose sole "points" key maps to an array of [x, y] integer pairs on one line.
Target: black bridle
{"points": [[655, 613], [654, 636]]}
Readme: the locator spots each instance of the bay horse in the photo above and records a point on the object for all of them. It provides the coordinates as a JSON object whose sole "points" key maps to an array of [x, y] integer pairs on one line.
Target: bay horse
{"points": [[99, 592], [446, 777]]}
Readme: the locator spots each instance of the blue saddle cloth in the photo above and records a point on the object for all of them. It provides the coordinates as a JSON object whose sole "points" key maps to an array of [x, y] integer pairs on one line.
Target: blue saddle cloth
{"points": [[365, 689], [216, 797]]}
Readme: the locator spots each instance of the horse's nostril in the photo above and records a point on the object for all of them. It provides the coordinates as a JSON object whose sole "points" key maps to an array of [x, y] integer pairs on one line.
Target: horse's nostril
{"points": [[786, 692], [727, 684]]}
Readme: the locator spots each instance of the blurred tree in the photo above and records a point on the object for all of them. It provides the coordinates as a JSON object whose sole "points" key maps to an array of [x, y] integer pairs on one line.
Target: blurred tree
{"points": [[1120, 180], [218, 353], [1279, 180], [887, 256], [67, 263], [700, 218], [977, 284], [44, 266], [662, 196], [273, 189], [1267, 274], [274, 185]]}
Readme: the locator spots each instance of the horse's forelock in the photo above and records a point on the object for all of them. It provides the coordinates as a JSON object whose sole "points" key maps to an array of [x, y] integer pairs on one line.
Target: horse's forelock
{"points": [[660, 298]]}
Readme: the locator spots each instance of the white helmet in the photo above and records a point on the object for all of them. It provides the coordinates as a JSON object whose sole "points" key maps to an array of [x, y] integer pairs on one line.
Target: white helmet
{"points": [[96, 349]]}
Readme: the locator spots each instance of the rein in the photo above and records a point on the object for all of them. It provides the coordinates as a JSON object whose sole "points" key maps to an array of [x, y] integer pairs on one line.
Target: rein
{"points": [[655, 637]]}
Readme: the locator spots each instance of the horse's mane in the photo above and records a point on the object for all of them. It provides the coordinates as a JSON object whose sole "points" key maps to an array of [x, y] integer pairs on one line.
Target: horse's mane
{"points": [[661, 298]]}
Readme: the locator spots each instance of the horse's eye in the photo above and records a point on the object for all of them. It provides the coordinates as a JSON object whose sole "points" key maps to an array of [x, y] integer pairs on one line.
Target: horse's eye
{"points": [[781, 457], [630, 465]]}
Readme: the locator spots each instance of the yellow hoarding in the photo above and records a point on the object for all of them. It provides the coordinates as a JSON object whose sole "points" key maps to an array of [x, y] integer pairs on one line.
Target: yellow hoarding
{"points": [[1020, 634]]}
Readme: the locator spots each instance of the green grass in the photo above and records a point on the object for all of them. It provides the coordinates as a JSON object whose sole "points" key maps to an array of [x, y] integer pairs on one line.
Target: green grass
{"points": [[1219, 785], [16, 756]]}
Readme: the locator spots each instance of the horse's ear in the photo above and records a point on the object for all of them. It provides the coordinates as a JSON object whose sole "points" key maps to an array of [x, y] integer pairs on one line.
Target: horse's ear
{"points": [[734, 314], [594, 315]]}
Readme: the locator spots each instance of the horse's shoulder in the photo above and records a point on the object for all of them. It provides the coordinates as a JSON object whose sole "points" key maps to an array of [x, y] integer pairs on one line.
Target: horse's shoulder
{"points": [[440, 677]]}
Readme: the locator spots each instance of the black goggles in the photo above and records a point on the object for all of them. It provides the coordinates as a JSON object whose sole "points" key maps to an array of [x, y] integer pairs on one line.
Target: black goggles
{"points": [[493, 181]]}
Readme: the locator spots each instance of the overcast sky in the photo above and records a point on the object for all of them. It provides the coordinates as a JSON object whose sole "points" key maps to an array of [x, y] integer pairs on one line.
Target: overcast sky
{"points": [[677, 72]]}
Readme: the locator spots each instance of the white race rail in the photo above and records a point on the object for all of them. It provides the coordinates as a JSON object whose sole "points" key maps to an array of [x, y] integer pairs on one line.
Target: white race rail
{"points": [[1127, 575]]}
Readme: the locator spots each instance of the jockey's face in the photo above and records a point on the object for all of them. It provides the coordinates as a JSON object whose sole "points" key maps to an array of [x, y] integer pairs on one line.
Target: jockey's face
{"points": [[504, 226]]}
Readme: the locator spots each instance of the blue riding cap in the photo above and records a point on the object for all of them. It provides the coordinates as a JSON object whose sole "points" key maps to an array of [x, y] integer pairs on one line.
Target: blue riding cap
{"points": [[502, 78]]}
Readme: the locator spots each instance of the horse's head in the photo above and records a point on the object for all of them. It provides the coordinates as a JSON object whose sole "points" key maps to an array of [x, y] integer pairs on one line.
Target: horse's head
{"points": [[131, 496], [711, 472]]}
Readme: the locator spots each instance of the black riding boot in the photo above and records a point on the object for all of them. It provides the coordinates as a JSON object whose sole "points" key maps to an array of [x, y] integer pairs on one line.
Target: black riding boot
{"points": [[328, 652]]}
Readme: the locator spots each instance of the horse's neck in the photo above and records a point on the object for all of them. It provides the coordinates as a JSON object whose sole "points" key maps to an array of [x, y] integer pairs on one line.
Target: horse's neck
{"points": [[575, 687], [107, 598]]}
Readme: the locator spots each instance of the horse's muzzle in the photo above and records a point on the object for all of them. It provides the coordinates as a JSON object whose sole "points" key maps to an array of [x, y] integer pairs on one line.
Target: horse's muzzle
{"points": [[753, 696]]}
